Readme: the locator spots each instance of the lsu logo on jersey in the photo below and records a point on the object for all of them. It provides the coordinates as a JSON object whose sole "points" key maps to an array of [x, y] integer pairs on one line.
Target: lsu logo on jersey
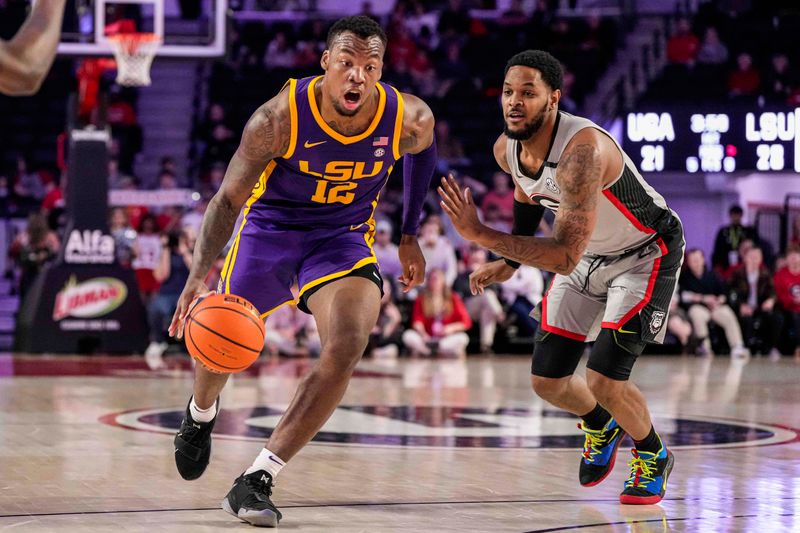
{"points": [[342, 170], [338, 179]]}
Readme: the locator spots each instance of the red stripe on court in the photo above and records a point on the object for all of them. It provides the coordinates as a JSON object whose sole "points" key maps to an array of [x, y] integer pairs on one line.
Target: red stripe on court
{"points": [[647, 295]]}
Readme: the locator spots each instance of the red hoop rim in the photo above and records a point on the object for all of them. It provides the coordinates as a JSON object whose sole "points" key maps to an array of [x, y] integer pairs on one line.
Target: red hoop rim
{"points": [[134, 37], [128, 44]]}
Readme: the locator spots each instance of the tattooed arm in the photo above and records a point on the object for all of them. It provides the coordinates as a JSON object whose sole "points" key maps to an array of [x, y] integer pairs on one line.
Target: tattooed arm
{"points": [[265, 137], [579, 175], [581, 172], [418, 125]]}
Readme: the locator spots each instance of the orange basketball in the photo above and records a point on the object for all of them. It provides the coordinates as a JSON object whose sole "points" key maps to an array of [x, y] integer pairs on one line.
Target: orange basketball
{"points": [[225, 333]]}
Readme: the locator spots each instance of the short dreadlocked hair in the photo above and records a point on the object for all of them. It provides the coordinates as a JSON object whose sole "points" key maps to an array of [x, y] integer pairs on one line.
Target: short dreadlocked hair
{"points": [[549, 66], [363, 27]]}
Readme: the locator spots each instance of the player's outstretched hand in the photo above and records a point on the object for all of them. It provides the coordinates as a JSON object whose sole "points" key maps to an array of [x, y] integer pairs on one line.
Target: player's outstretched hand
{"points": [[413, 262], [193, 290], [460, 207], [488, 273]]}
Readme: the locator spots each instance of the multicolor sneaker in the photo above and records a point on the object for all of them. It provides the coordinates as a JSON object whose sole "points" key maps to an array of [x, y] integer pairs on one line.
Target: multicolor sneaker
{"points": [[599, 452], [648, 481]]}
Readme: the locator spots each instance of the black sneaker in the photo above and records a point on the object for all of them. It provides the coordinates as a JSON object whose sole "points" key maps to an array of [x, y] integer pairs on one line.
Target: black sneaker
{"points": [[249, 500], [193, 446]]}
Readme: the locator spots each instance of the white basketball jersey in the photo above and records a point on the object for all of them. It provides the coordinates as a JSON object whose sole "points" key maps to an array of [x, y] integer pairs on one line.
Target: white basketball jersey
{"points": [[628, 209]]}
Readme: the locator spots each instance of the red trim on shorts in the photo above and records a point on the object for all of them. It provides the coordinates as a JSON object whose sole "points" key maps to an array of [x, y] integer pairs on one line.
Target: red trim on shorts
{"points": [[552, 329], [626, 212], [647, 295]]}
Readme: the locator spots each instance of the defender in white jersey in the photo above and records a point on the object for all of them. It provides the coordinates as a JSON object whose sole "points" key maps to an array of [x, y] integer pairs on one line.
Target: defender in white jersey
{"points": [[616, 251]]}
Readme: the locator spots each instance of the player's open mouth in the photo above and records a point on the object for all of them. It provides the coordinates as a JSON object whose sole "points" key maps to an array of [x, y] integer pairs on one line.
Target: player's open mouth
{"points": [[515, 117], [351, 99]]}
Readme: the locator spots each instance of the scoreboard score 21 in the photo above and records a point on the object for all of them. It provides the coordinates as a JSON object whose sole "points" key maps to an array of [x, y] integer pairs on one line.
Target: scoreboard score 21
{"points": [[700, 141]]}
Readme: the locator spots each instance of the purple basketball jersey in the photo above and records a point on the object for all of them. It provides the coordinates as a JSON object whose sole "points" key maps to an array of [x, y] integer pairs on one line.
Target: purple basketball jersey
{"points": [[327, 179], [310, 216]]}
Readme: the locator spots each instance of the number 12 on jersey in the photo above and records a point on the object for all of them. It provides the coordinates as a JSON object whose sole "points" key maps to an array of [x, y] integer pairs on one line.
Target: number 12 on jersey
{"points": [[333, 194]]}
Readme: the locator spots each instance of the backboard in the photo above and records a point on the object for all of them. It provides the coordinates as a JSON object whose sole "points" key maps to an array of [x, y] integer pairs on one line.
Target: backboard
{"points": [[187, 28]]}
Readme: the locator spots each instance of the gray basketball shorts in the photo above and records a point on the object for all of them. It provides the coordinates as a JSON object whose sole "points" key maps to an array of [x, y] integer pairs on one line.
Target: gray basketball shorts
{"points": [[607, 291]]}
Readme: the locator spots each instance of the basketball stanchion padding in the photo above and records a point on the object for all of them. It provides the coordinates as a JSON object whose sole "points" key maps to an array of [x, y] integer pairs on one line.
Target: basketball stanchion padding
{"points": [[224, 333]]}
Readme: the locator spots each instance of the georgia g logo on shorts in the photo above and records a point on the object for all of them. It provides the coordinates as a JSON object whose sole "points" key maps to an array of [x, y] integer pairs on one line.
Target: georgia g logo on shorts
{"points": [[657, 321]]}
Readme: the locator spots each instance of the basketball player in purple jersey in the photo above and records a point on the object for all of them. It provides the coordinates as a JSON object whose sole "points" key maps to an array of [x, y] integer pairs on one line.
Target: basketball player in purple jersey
{"points": [[308, 171], [25, 60], [616, 250]]}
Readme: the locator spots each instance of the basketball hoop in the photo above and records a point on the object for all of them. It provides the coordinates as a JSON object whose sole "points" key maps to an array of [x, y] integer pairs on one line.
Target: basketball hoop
{"points": [[134, 53]]}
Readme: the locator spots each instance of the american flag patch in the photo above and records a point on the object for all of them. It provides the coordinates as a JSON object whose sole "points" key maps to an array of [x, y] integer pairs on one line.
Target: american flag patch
{"points": [[380, 141]]}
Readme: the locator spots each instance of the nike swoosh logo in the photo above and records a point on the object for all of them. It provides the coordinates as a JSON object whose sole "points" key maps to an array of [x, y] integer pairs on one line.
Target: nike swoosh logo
{"points": [[625, 331], [312, 145]]}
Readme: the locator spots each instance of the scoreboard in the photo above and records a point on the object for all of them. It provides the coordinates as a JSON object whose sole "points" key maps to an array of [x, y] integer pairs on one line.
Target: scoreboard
{"points": [[694, 140]]}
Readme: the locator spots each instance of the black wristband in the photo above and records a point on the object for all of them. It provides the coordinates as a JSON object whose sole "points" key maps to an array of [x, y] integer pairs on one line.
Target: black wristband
{"points": [[526, 221], [526, 218]]}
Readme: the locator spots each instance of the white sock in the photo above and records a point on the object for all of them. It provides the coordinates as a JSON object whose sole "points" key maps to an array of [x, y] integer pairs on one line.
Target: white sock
{"points": [[268, 461], [202, 415]]}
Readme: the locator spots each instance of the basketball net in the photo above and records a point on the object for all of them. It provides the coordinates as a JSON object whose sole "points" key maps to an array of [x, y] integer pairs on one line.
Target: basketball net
{"points": [[134, 53]]}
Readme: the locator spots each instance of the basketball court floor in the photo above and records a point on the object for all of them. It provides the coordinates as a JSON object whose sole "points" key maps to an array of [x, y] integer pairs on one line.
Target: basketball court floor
{"points": [[417, 445]]}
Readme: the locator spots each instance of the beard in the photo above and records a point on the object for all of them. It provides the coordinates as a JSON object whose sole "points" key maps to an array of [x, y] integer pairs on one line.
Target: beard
{"points": [[529, 129], [337, 106]]}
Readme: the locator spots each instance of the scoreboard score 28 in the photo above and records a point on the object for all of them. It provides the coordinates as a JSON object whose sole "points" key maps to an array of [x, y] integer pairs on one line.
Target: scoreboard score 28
{"points": [[698, 141]]}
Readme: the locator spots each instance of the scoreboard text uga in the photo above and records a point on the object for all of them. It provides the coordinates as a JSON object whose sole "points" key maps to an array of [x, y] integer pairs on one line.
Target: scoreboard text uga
{"points": [[698, 140]]}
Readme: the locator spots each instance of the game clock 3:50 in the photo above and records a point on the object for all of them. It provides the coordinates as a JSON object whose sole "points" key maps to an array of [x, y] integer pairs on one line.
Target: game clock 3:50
{"points": [[696, 140]]}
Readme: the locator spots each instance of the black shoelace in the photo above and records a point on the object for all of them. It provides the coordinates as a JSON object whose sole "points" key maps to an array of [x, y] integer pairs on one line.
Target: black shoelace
{"points": [[258, 485], [190, 432]]}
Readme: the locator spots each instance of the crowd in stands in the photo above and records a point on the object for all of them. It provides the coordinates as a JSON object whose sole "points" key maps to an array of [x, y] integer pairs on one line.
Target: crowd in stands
{"points": [[437, 51], [748, 300], [745, 302], [443, 317], [720, 54]]}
